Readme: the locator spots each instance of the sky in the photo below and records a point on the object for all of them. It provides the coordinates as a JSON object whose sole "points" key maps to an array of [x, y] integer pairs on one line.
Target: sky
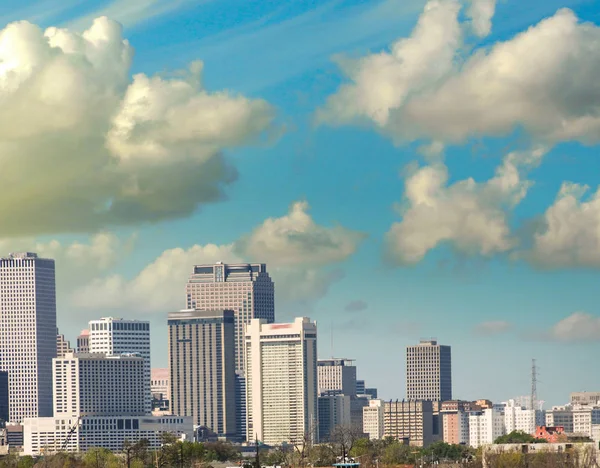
{"points": [[408, 170]]}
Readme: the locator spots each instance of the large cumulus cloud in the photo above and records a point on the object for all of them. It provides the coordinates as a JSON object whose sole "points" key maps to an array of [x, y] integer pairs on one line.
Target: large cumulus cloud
{"points": [[84, 146]]}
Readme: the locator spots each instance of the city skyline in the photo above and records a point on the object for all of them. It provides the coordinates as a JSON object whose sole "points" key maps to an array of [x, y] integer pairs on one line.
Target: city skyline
{"points": [[392, 192]]}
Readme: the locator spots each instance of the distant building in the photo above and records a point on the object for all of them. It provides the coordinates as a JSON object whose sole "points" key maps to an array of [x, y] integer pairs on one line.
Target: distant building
{"points": [[428, 372], [409, 420], [28, 332], [486, 426], [62, 345], [83, 342], [585, 398], [281, 381], [551, 434], [360, 387], [585, 418], [160, 388], [455, 421], [334, 410], [336, 377], [240, 405], [3, 397], [245, 288], [115, 336], [202, 368], [356, 410], [518, 418], [371, 392], [584, 452], [560, 416], [373, 420]]}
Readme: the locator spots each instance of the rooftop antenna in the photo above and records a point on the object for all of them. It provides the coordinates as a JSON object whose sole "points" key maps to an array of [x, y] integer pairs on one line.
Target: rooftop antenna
{"points": [[533, 384]]}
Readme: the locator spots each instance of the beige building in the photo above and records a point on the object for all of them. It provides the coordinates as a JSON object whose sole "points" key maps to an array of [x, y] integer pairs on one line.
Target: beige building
{"points": [[83, 341], [202, 368], [428, 372], [409, 420], [62, 345], [373, 423], [585, 398], [455, 421], [336, 376], [281, 381]]}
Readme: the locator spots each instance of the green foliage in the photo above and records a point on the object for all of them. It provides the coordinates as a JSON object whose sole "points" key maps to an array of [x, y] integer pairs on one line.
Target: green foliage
{"points": [[98, 457], [518, 437]]}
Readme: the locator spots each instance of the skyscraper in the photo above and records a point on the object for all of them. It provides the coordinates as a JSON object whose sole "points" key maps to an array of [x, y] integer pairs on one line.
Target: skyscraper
{"points": [[202, 368], [244, 288], [336, 377], [115, 336], [63, 346], [281, 381], [28, 332], [428, 372]]}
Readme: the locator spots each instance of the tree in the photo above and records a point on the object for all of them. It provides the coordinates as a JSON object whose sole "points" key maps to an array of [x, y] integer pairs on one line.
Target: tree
{"points": [[342, 439], [137, 451], [98, 457], [518, 437]]}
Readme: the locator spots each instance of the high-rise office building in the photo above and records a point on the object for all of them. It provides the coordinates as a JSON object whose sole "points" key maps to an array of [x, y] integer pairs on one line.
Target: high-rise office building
{"points": [[3, 397], [99, 385], [336, 377], [63, 346], [202, 368], [116, 336], [428, 372], [360, 387], [28, 332], [281, 381], [244, 288], [240, 405], [83, 342]]}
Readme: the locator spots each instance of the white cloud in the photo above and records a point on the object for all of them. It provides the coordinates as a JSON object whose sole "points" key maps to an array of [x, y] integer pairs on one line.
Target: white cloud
{"points": [[385, 81], [296, 249], [481, 13], [525, 82], [493, 328], [570, 236], [83, 147], [577, 327], [470, 216], [296, 239]]}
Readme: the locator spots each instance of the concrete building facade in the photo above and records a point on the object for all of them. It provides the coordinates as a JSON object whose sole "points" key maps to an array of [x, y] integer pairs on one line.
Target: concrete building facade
{"points": [[245, 288], [202, 368], [281, 381], [63, 346], [336, 377], [429, 371], [28, 332], [83, 342], [116, 336], [373, 421], [409, 420], [518, 418], [486, 426], [585, 398], [334, 410], [560, 416]]}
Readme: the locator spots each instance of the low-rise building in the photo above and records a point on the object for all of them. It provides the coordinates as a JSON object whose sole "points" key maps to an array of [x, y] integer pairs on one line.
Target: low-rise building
{"points": [[409, 420], [560, 416], [373, 424], [585, 398], [520, 418], [552, 434], [486, 426], [581, 455]]}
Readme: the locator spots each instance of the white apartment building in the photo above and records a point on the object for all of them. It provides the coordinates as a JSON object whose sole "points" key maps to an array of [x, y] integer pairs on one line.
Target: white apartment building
{"points": [[518, 418], [44, 436], [202, 368], [281, 381], [428, 371], [373, 419], [99, 385], [115, 336], [336, 376], [28, 332], [245, 288], [99, 402], [585, 418], [486, 426], [560, 416]]}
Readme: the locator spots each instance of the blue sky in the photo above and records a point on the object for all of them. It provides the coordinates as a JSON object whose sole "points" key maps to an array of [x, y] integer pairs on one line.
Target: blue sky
{"points": [[290, 100]]}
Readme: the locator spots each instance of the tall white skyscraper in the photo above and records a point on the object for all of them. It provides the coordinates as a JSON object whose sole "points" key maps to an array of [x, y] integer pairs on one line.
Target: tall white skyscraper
{"points": [[245, 288], [202, 368], [115, 336], [28, 332], [281, 381], [428, 372]]}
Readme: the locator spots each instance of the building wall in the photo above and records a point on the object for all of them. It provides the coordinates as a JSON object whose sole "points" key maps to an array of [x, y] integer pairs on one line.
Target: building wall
{"points": [[560, 416], [115, 336], [336, 376], [83, 342], [584, 418], [51, 435], [373, 421], [63, 346], [202, 368], [428, 372], [160, 382], [3, 396], [585, 398], [412, 420], [28, 332], [485, 426], [244, 288], [455, 427], [96, 384], [334, 410], [281, 381], [517, 418]]}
